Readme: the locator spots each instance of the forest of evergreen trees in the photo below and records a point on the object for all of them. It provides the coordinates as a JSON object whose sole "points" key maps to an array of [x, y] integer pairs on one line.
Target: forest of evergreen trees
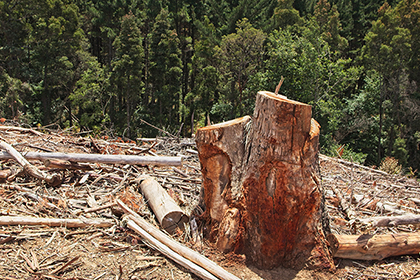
{"points": [[105, 65]]}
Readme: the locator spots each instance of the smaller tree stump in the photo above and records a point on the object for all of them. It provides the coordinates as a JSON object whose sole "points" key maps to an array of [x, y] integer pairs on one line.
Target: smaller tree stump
{"points": [[221, 150]]}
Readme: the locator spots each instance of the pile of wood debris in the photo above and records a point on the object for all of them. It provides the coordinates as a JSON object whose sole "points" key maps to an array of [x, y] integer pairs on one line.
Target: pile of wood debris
{"points": [[75, 229], [369, 203]]}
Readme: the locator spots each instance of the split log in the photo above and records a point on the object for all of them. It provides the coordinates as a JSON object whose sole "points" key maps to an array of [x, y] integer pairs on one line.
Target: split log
{"points": [[168, 213], [54, 222], [180, 249], [221, 151], [53, 180], [99, 158], [261, 185], [374, 247]]}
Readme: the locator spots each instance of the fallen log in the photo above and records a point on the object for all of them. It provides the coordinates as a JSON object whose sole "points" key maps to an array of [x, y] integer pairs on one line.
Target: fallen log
{"points": [[53, 180], [168, 213], [99, 158], [374, 247], [54, 222], [180, 249], [261, 183]]}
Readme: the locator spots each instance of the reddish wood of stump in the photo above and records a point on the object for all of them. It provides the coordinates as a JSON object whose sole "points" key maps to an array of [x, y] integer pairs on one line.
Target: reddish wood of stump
{"points": [[261, 185]]}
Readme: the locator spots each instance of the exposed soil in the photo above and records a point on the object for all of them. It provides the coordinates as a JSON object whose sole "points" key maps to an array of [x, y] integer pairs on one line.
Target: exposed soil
{"points": [[42, 252]]}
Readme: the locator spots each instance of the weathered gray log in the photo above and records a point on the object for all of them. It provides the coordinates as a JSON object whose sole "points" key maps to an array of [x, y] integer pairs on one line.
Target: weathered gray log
{"points": [[99, 158], [54, 222], [168, 213], [53, 179]]}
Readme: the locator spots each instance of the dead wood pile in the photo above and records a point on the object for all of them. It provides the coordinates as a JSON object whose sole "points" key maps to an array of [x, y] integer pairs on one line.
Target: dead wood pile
{"points": [[73, 229], [88, 193], [373, 215]]}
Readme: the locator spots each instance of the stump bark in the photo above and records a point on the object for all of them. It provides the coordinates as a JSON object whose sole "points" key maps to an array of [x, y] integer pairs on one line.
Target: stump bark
{"points": [[261, 185]]}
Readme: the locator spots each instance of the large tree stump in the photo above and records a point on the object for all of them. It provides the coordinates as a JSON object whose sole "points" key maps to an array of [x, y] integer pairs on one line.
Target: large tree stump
{"points": [[261, 185]]}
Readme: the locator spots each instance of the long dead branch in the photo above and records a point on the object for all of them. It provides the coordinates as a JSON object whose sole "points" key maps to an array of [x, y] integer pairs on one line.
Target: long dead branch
{"points": [[54, 222], [98, 158], [348, 163]]}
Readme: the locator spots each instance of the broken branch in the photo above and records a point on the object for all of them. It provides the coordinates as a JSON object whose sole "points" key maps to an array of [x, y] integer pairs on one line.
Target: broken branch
{"points": [[53, 180]]}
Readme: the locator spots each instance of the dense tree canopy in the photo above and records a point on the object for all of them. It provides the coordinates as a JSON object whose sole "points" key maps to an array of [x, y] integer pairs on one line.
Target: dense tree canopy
{"points": [[110, 66]]}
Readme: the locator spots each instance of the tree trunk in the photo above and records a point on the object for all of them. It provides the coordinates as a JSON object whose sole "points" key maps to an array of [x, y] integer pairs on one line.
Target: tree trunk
{"points": [[261, 185]]}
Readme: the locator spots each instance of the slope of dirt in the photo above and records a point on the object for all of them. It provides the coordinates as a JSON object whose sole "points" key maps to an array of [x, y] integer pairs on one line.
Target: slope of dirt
{"points": [[42, 252]]}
